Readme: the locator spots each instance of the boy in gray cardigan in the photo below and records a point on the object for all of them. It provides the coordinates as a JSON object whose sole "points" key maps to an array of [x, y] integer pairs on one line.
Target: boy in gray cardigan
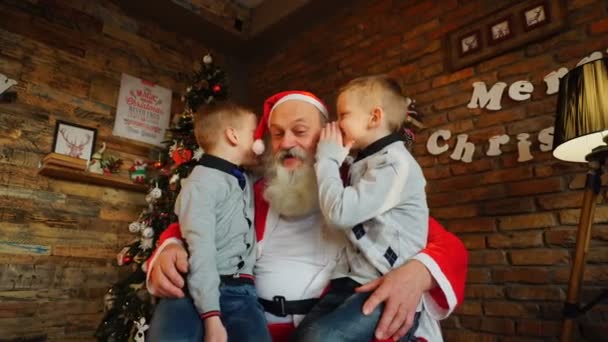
{"points": [[385, 192], [215, 210]]}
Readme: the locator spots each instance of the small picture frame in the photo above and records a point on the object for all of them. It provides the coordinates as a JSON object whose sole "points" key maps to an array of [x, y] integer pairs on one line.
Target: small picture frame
{"points": [[74, 140], [500, 30], [535, 16], [470, 43]]}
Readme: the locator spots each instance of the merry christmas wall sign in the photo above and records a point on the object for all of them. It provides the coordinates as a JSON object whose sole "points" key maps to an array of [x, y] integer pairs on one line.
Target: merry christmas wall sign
{"points": [[143, 110]]}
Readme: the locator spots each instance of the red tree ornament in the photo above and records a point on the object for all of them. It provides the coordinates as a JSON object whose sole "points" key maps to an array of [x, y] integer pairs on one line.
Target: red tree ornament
{"points": [[217, 88], [181, 155]]}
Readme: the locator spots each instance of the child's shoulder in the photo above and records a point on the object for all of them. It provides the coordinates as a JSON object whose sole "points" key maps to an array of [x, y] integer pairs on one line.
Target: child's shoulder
{"points": [[396, 156], [202, 175]]}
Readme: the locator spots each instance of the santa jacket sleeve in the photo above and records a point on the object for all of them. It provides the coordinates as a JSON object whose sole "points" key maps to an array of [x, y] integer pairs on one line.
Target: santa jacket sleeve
{"points": [[446, 259]]}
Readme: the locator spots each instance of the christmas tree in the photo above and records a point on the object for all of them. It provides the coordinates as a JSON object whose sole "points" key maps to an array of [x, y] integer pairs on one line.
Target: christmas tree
{"points": [[128, 304]]}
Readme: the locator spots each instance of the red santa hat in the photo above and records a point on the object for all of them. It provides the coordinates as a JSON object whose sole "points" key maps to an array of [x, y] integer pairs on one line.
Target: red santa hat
{"points": [[272, 102]]}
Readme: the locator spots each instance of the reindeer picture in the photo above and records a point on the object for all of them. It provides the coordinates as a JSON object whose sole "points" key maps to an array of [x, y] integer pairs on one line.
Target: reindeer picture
{"points": [[74, 140]]}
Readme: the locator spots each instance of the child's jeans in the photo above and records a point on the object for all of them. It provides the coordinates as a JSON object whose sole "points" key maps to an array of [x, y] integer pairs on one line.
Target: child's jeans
{"points": [[176, 320], [339, 317]]}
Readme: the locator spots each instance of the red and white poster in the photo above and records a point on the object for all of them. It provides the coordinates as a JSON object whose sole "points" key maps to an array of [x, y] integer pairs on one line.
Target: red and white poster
{"points": [[143, 110]]}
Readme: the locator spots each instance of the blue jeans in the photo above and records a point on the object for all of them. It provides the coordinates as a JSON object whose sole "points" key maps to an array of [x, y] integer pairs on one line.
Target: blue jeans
{"points": [[339, 317], [176, 320]]}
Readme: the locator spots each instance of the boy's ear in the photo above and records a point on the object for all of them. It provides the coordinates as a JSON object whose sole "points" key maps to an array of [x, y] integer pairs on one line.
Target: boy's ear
{"points": [[376, 117], [231, 135]]}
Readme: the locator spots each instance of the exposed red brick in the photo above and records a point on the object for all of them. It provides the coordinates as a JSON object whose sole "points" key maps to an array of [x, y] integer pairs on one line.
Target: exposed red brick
{"points": [[593, 274], [535, 293], [531, 327], [461, 211], [536, 186], [539, 256], [514, 274], [469, 308], [472, 225], [509, 309], [560, 201], [478, 276], [490, 119], [600, 26], [500, 60], [516, 240], [507, 175], [572, 216], [536, 220], [489, 257], [473, 167], [473, 241], [484, 292], [450, 78], [497, 325], [508, 206]]}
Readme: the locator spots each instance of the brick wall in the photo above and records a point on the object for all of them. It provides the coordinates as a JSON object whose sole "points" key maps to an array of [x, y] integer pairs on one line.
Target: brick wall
{"points": [[58, 238], [518, 220]]}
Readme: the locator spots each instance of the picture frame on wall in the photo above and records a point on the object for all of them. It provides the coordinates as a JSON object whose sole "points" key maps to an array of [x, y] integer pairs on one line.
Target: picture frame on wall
{"points": [[535, 16], [500, 30], [470, 43], [74, 140], [507, 26]]}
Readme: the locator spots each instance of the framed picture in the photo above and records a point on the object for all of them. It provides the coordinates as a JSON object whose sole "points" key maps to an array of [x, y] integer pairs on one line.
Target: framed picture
{"points": [[74, 140], [500, 30], [505, 26], [470, 42], [535, 16]]}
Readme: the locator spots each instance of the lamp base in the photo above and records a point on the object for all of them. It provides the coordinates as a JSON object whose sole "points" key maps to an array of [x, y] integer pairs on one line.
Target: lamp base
{"points": [[572, 308]]}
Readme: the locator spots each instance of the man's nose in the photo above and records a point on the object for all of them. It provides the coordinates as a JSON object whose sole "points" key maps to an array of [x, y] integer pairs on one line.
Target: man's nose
{"points": [[288, 141]]}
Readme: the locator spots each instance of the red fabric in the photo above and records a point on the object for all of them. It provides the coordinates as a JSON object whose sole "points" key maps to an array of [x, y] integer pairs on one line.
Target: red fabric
{"points": [[261, 209], [172, 231], [269, 104], [451, 256], [280, 332]]}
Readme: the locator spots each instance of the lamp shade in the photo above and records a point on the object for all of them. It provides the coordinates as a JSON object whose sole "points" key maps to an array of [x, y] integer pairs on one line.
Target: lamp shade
{"points": [[581, 121]]}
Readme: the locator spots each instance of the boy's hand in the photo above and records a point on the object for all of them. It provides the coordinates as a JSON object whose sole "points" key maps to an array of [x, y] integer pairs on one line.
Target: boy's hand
{"points": [[214, 330], [331, 145]]}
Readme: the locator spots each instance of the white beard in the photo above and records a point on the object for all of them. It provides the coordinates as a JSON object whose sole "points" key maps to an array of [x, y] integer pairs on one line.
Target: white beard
{"points": [[292, 192]]}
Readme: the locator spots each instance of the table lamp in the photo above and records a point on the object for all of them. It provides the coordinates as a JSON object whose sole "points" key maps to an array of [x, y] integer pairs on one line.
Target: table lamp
{"points": [[581, 136]]}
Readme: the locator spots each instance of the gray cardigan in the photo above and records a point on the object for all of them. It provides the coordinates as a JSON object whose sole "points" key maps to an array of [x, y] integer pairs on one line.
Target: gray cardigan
{"points": [[383, 211], [216, 220]]}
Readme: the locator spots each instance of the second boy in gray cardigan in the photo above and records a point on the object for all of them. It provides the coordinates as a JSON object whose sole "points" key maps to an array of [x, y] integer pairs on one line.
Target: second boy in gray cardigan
{"points": [[382, 208]]}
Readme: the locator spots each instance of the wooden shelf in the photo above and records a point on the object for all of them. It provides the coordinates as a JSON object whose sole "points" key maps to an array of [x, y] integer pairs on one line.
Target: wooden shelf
{"points": [[114, 181]]}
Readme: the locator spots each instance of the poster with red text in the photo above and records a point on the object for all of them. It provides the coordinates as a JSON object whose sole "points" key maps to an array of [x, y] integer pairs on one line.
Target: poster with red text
{"points": [[143, 110]]}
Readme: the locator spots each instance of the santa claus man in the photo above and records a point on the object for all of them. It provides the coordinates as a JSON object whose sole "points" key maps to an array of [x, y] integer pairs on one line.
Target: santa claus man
{"points": [[297, 252]]}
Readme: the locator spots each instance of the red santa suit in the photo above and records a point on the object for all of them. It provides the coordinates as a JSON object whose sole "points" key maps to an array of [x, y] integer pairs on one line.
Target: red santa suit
{"points": [[296, 258]]}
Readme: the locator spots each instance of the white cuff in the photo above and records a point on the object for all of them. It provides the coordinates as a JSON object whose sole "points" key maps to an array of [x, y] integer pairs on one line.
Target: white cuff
{"points": [[160, 248], [434, 309]]}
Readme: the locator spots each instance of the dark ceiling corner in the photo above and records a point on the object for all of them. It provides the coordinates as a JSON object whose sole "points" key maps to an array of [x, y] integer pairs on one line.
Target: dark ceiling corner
{"points": [[173, 17], [268, 41]]}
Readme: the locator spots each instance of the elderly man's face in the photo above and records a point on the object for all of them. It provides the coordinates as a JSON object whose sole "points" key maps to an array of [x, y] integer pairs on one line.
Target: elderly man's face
{"points": [[294, 126]]}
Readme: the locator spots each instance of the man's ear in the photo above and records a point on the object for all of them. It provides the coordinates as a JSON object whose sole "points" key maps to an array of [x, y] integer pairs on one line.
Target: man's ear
{"points": [[232, 136], [375, 117]]}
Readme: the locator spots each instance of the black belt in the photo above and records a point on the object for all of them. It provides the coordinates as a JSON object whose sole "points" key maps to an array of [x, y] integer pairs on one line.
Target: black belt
{"points": [[236, 280], [278, 306]]}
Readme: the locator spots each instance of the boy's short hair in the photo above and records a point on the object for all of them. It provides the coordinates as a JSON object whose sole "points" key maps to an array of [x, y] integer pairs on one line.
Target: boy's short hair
{"points": [[211, 120], [382, 91]]}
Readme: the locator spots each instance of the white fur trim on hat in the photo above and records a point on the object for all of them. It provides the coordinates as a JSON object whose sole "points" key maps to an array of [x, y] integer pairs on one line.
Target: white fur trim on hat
{"points": [[301, 97]]}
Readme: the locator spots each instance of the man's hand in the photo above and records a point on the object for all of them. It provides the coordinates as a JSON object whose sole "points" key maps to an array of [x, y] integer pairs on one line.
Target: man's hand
{"points": [[214, 330], [401, 290], [165, 276]]}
